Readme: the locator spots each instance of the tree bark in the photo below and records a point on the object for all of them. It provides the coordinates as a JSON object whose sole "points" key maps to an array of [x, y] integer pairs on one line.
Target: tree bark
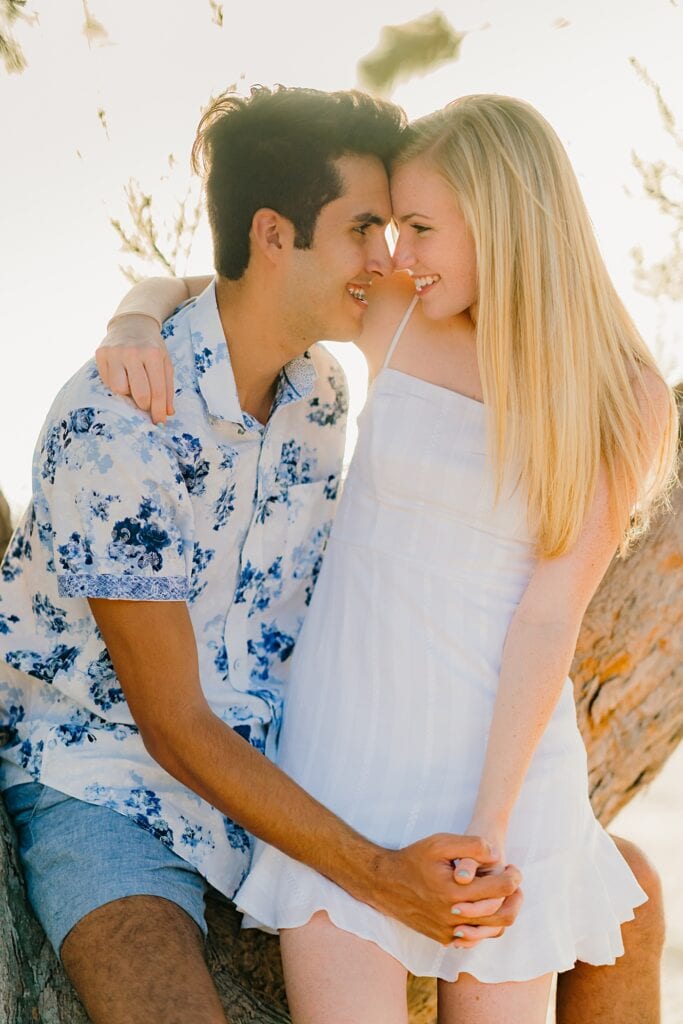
{"points": [[628, 669], [627, 679], [5, 524]]}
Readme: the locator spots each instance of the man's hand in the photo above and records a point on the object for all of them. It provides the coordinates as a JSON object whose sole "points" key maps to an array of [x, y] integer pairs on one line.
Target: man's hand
{"points": [[417, 886], [132, 360]]}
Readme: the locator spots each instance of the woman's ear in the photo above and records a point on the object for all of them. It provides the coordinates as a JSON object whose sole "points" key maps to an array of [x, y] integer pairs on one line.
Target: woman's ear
{"points": [[271, 233]]}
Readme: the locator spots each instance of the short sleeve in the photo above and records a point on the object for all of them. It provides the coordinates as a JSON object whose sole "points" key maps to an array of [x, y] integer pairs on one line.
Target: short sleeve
{"points": [[120, 517]]}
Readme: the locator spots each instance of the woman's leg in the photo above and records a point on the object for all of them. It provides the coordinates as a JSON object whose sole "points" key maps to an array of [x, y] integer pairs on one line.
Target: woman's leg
{"points": [[468, 1001], [333, 977]]}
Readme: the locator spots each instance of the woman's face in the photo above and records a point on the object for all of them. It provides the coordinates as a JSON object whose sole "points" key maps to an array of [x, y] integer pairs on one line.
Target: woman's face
{"points": [[434, 242]]}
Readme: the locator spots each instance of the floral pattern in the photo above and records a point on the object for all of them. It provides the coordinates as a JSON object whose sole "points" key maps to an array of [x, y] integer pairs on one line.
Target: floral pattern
{"points": [[216, 510], [327, 413]]}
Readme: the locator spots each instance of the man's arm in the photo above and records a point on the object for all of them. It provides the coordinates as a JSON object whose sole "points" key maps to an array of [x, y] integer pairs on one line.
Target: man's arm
{"points": [[153, 649]]}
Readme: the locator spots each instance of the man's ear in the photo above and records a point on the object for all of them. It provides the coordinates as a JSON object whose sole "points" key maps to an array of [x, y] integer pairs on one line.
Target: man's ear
{"points": [[271, 233]]}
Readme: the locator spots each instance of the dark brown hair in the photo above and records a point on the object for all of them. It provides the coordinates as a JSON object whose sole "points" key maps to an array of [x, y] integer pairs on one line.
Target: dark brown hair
{"points": [[276, 149]]}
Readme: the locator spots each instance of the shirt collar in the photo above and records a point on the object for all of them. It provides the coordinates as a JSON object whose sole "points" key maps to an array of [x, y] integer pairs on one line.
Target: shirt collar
{"points": [[215, 377]]}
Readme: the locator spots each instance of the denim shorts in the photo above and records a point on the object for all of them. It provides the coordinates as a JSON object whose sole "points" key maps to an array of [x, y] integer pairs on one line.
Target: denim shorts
{"points": [[78, 856]]}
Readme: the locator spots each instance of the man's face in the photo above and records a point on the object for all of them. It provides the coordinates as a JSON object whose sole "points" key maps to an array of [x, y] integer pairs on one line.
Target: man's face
{"points": [[328, 281]]}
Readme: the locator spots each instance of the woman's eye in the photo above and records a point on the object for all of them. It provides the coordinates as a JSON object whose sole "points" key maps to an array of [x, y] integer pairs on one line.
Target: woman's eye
{"points": [[420, 228]]}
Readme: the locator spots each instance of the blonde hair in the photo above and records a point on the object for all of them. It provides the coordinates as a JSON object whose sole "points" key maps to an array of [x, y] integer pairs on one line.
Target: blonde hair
{"points": [[560, 359]]}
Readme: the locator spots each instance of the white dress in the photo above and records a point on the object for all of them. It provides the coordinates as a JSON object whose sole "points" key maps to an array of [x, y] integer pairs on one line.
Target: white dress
{"points": [[392, 692]]}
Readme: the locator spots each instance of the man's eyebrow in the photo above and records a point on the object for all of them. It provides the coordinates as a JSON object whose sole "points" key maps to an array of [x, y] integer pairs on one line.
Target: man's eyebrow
{"points": [[369, 218]]}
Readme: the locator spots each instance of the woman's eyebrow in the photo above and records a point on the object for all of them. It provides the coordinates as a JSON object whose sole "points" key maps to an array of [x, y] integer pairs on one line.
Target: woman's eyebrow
{"points": [[407, 216]]}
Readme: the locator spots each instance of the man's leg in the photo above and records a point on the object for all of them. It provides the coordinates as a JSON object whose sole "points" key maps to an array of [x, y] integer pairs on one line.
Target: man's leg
{"points": [[629, 991], [123, 911], [141, 959]]}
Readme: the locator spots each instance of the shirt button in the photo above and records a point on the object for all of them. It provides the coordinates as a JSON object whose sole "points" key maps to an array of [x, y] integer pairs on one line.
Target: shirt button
{"points": [[237, 664]]}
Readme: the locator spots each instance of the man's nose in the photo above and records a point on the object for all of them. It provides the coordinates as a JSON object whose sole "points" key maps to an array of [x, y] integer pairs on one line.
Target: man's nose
{"points": [[379, 259]]}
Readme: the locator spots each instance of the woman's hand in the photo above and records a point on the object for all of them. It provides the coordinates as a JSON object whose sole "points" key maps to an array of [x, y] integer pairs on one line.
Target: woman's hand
{"points": [[466, 869], [132, 360]]}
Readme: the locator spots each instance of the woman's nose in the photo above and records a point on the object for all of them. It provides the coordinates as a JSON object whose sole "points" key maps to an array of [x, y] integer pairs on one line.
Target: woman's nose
{"points": [[404, 257]]}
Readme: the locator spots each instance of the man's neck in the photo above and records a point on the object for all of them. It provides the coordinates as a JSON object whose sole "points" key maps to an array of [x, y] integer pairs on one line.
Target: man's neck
{"points": [[259, 343]]}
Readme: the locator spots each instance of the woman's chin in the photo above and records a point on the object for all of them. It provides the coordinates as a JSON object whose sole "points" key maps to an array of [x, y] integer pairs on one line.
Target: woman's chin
{"points": [[433, 309]]}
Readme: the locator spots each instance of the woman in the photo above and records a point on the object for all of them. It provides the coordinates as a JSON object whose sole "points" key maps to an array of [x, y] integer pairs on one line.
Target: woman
{"points": [[516, 433]]}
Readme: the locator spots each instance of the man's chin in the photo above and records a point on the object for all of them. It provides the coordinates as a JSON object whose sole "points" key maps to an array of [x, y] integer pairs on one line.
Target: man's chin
{"points": [[350, 331]]}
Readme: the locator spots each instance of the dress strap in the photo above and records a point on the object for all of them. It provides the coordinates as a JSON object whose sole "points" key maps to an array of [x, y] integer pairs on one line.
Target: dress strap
{"points": [[399, 331]]}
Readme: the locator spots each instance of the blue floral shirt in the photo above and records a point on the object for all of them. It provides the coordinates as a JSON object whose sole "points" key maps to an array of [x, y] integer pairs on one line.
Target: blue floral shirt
{"points": [[213, 509]]}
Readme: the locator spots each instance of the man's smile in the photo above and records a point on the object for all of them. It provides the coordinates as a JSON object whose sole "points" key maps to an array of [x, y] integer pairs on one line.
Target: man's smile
{"points": [[357, 291]]}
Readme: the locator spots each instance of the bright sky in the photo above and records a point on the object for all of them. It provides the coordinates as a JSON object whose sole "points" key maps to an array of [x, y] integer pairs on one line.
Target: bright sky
{"points": [[62, 178]]}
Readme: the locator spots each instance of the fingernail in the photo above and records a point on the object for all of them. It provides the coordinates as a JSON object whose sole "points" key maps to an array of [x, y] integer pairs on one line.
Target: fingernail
{"points": [[459, 935], [464, 874], [456, 910]]}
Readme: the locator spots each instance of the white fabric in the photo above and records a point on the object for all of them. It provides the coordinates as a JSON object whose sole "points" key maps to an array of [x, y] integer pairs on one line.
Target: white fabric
{"points": [[392, 691]]}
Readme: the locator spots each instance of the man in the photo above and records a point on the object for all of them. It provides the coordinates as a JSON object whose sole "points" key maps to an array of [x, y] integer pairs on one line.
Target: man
{"points": [[153, 592]]}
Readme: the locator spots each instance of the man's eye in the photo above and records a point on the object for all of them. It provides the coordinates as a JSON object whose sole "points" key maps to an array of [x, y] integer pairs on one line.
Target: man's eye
{"points": [[362, 229]]}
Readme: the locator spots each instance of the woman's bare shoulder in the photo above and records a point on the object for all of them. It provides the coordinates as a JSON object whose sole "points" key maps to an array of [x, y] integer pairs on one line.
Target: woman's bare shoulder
{"points": [[653, 395]]}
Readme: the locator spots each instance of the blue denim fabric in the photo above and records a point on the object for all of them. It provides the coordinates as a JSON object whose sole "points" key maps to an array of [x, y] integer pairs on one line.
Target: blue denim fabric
{"points": [[77, 856]]}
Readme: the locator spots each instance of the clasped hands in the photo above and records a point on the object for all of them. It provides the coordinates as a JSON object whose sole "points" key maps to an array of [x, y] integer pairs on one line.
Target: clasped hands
{"points": [[479, 917], [456, 890]]}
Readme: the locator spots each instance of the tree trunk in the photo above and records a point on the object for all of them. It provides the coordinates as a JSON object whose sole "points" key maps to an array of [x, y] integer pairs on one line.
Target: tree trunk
{"points": [[628, 668], [627, 676], [5, 524]]}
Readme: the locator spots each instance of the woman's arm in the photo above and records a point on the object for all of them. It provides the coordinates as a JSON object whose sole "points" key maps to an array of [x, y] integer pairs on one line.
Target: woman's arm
{"points": [[537, 656], [132, 358], [542, 638]]}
